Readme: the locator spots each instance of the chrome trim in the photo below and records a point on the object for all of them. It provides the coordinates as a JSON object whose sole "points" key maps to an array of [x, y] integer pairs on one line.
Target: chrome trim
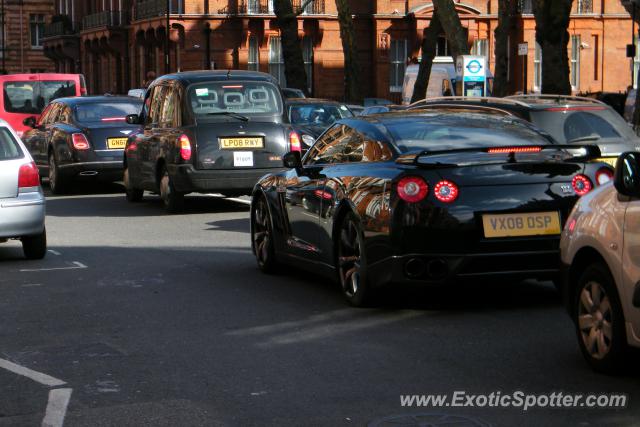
{"points": [[106, 163]]}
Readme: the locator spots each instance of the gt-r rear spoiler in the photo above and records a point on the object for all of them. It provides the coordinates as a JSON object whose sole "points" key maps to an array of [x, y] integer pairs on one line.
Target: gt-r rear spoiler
{"points": [[574, 153]]}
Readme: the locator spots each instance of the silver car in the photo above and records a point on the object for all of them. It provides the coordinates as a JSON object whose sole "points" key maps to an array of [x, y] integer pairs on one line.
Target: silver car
{"points": [[22, 202]]}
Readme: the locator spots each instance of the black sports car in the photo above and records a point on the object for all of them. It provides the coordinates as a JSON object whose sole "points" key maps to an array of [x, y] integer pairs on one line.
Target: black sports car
{"points": [[422, 197], [310, 117], [81, 137]]}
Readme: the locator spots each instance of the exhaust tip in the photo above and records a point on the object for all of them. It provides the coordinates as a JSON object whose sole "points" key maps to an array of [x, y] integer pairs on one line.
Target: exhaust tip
{"points": [[414, 268], [88, 173], [437, 269]]}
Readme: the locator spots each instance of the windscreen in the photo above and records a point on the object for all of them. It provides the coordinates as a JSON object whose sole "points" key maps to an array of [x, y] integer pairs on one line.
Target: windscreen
{"points": [[246, 98], [104, 112], [317, 114], [9, 148], [435, 132], [30, 97]]}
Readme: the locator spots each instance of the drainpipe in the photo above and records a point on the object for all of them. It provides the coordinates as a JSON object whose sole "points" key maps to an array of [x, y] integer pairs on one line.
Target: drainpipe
{"points": [[167, 60], [207, 45]]}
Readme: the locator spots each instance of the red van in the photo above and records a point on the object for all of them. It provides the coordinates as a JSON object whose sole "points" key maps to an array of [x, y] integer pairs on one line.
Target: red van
{"points": [[26, 95]]}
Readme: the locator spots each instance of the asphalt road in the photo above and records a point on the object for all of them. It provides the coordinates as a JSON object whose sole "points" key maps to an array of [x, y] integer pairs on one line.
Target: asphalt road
{"points": [[154, 320]]}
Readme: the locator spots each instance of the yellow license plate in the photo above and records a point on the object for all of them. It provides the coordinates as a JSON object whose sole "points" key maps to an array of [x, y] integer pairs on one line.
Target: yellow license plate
{"points": [[116, 143], [611, 161], [235, 143], [524, 224]]}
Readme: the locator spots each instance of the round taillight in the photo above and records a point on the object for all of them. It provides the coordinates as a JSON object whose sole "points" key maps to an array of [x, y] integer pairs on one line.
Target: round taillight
{"points": [[412, 189], [446, 191], [603, 176], [581, 185]]}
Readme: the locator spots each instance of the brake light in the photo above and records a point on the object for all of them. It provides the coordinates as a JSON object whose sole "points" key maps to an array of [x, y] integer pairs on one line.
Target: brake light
{"points": [[581, 185], [412, 189], [507, 150], [446, 191], [603, 176], [79, 141], [294, 142], [185, 147], [28, 176]]}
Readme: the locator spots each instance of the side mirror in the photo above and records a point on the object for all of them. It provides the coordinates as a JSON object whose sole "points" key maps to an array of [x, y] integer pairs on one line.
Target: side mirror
{"points": [[133, 119], [30, 121], [627, 175], [292, 160]]}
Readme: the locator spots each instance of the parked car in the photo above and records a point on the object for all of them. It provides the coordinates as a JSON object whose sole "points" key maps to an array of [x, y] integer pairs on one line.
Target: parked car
{"points": [[310, 116], [600, 253], [26, 95], [137, 93], [568, 119], [22, 202], [207, 131], [629, 105], [422, 197], [81, 138], [377, 109], [356, 109], [288, 92]]}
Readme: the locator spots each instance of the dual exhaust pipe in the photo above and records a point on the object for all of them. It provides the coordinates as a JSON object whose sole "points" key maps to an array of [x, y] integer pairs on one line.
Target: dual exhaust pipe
{"points": [[426, 269]]}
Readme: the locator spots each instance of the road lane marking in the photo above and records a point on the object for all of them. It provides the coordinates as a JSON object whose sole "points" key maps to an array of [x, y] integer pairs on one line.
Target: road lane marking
{"points": [[54, 252], [77, 266], [56, 407], [31, 285], [243, 201], [36, 376], [294, 324]]}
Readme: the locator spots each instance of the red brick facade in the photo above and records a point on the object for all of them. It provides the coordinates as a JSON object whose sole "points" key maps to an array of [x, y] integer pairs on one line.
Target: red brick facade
{"points": [[116, 42]]}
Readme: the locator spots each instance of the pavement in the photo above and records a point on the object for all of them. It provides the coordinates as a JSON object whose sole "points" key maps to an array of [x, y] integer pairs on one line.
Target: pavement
{"points": [[138, 318]]}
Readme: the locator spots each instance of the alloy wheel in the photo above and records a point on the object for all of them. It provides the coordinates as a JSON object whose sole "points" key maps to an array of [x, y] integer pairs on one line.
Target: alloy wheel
{"points": [[349, 258], [595, 320], [262, 233]]}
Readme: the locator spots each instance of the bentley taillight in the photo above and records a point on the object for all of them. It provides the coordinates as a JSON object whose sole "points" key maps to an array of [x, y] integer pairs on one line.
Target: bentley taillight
{"points": [[79, 141], [185, 147]]}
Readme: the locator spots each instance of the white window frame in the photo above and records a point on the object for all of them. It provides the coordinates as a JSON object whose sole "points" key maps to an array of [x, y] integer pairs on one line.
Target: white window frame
{"points": [[537, 68], [276, 60], [397, 62], [575, 62], [37, 23], [253, 59], [636, 63], [307, 56], [481, 47]]}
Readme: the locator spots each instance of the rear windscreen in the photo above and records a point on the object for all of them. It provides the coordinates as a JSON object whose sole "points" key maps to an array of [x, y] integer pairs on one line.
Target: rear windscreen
{"points": [[30, 97], [215, 98], [104, 112], [9, 148]]}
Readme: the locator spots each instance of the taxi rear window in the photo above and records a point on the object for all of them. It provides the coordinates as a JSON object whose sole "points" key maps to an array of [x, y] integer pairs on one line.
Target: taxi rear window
{"points": [[9, 148]]}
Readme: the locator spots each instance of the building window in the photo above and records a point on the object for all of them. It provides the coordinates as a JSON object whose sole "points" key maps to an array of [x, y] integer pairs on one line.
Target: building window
{"points": [[36, 28], [442, 49], [575, 62], [596, 56], [253, 63], [307, 55], [481, 47], [276, 60], [584, 7], [636, 64], [398, 56], [524, 6], [537, 68]]}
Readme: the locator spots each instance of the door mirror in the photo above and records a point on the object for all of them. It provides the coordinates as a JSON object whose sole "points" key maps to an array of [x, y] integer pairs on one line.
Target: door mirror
{"points": [[30, 121], [292, 160], [627, 175], [133, 119]]}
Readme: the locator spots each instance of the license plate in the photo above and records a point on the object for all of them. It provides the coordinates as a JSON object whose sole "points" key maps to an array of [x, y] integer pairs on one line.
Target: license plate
{"points": [[116, 143], [243, 158], [235, 143], [524, 224], [611, 161]]}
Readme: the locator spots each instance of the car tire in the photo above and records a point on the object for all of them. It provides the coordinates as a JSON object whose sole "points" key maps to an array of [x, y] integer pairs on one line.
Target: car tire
{"points": [[35, 247], [351, 262], [172, 199], [133, 194], [599, 320], [58, 183], [262, 236]]}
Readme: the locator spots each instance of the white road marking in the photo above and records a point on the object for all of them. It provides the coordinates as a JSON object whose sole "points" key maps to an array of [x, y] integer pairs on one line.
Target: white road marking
{"points": [[77, 266], [31, 285], [243, 201], [38, 377], [56, 407], [54, 252]]}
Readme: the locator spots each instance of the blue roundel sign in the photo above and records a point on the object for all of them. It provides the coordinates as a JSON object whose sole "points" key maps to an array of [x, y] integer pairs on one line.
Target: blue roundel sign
{"points": [[474, 67]]}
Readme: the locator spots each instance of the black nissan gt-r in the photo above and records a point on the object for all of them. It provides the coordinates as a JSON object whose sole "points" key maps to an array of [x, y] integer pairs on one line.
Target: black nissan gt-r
{"points": [[424, 197]]}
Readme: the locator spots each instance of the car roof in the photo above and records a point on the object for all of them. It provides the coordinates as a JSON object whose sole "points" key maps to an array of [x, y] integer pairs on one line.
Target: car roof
{"points": [[517, 103], [77, 100], [190, 77], [543, 101], [312, 101]]}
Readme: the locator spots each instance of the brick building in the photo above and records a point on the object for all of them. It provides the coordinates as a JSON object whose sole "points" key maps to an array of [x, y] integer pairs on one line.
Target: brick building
{"points": [[115, 42], [21, 48]]}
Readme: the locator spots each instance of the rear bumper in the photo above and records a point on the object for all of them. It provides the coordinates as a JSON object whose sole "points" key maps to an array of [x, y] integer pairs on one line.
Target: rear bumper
{"points": [[111, 170], [440, 269], [187, 179], [22, 216]]}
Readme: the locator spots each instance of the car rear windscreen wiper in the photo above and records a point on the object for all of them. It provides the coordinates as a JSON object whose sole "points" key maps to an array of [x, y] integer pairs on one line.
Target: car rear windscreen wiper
{"points": [[585, 138], [230, 114]]}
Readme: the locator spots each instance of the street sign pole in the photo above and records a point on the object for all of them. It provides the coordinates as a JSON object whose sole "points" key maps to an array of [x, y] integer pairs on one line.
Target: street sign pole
{"points": [[523, 51]]}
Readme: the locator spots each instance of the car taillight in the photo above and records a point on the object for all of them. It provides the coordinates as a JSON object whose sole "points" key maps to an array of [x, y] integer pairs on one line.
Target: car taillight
{"points": [[412, 189], [185, 147], [79, 141], [603, 176], [294, 142], [446, 191], [28, 176], [581, 185], [507, 150]]}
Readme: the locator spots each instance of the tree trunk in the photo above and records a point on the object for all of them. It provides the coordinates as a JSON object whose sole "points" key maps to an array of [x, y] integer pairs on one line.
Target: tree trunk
{"points": [[456, 33], [500, 84], [552, 22], [429, 45], [291, 48], [351, 68]]}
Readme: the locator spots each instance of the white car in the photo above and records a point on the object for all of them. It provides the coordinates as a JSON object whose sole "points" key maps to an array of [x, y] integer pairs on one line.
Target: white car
{"points": [[22, 201], [600, 249]]}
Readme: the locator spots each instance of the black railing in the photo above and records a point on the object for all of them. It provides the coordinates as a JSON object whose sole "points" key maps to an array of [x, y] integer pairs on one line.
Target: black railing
{"points": [[265, 7], [108, 18], [154, 8], [60, 28]]}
